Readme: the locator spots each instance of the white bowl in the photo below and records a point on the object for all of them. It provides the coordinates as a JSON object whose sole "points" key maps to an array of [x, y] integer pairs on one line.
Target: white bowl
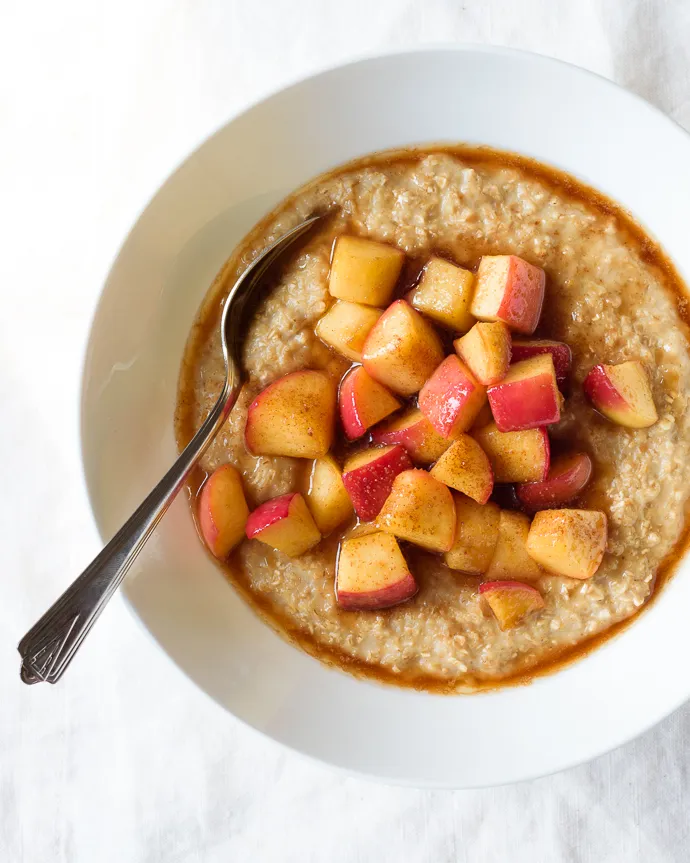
{"points": [[525, 103]]}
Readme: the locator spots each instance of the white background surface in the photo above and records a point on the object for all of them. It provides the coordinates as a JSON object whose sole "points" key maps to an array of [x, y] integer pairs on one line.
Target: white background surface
{"points": [[125, 760]]}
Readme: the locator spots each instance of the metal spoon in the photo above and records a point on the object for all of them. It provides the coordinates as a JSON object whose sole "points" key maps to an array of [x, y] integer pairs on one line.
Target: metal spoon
{"points": [[49, 646]]}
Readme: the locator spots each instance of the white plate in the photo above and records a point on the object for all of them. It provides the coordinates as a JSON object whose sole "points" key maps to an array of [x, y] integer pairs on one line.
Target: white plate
{"points": [[525, 103]]}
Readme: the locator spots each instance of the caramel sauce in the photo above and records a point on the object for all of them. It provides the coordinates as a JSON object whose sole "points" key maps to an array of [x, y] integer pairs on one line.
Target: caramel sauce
{"points": [[591, 498]]}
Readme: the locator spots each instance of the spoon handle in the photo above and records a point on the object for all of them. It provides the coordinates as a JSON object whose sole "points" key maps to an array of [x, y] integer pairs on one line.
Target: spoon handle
{"points": [[49, 646]]}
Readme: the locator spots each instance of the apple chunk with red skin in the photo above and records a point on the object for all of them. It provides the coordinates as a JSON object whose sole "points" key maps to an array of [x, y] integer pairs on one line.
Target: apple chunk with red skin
{"points": [[569, 542], [368, 477], [294, 416], [476, 536], [562, 356], [509, 290], [622, 394], [452, 398], [519, 456], [567, 476], [372, 573], [364, 271], [327, 497], [421, 510], [510, 601], [528, 396], [414, 431], [466, 468], [223, 511], [345, 327], [363, 402], [285, 524], [402, 349], [487, 350]]}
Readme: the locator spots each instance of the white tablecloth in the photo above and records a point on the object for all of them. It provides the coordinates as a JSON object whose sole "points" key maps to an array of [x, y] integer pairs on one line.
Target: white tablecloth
{"points": [[125, 760]]}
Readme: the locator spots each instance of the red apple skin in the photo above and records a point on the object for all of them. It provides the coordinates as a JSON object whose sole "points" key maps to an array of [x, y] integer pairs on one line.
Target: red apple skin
{"points": [[599, 390], [529, 403], [417, 435], [524, 349], [511, 290], [370, 484], [355, 402], [451, 398], [568, 475], [387, 597], [268, 513]]}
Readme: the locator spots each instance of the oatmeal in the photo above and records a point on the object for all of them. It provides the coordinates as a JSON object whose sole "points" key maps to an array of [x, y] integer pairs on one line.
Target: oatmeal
{"points": [[609, 295]]}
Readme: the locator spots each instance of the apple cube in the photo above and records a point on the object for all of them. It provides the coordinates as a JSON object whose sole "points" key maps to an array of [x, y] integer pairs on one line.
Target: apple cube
{"points": [[363, 271], [569, 542], [328, 500], [372, 573], [509, 290], [519, 456], [444, 294], [562, 356], [294, 416], [510, 601], [567, 476], [452, 398], [511, 560], [414, 431], [476, 535], [363, 402], [285, 524], [528, 396], [368, 477], [465, 467], [402, 349], [223, 511], [486, 350], [345, 327], [421, 510], [622, 394]]}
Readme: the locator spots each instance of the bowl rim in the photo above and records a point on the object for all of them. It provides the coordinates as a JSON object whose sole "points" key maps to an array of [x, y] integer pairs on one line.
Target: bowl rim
{"points": [[157, 184]]}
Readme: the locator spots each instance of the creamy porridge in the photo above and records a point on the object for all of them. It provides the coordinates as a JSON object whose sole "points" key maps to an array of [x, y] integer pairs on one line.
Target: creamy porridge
{"points": [[609, 295]]}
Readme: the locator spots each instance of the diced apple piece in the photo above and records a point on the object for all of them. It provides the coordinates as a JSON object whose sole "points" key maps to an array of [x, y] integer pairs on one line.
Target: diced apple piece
{"points": [[569, 542], [363, 402], [444, 294], [402, 350], [567, 476], [345, 327], [509, 290], [466, 468], [328, 500], [528, 396], [519, 456], [622, 394], [414, 431], [525, 349], [486, 350], [294, 416], [285, 524], [421, 510], [223, 511], [476, 536], [511, 560], [510, 601], [372, 573], [452, 398], [363, 271], [368, 477]]}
